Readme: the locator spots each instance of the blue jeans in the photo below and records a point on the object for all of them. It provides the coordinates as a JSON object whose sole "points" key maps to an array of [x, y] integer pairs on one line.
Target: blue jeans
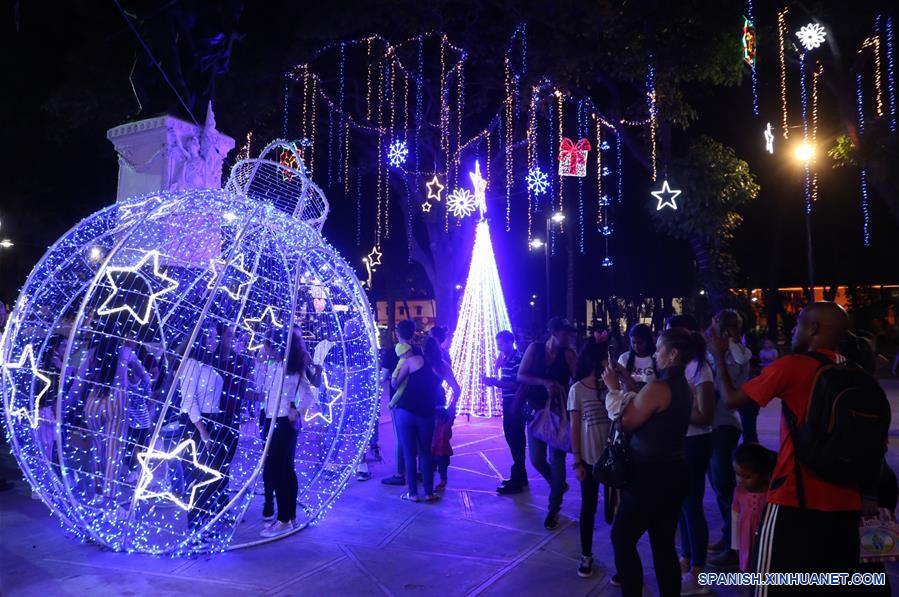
{"points": [[694, 530], [397, 445], [416, 433], [721, 473], [552, 470]]}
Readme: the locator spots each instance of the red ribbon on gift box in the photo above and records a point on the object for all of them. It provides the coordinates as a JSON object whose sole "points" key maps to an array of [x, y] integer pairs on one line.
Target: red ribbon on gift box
{"points": [[577, 153]]}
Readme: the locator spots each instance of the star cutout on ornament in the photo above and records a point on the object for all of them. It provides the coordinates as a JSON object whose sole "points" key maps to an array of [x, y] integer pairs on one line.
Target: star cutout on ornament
{"points": [[152, 460], [666, 196], [337, 394], [461, 203], [426, 207], [811, 36], [26, 367], [253, 323], [237, 265], [142, 313], [434, 188], [374, 258], [769, 139]]}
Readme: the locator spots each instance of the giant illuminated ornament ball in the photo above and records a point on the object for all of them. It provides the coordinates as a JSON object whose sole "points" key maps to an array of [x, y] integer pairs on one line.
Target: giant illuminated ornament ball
{"points": [[146, 341]]}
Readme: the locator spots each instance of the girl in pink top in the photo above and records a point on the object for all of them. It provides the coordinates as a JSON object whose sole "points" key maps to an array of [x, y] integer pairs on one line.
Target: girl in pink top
{"points": [[753, 465]]}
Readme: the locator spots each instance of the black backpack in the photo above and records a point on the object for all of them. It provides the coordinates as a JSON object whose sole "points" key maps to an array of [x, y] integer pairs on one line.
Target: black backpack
{"points": [[844, 437]]}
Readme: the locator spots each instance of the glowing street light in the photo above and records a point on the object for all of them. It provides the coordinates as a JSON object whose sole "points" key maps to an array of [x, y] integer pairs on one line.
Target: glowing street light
{"points": [[537, 243], [6, 243], [558, 217], [804, 152]]}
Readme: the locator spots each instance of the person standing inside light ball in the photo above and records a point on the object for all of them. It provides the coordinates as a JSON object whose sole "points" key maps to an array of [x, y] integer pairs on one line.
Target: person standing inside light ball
{"points": [[52, 367], [201, 386], [285, 410], [656, 418]]}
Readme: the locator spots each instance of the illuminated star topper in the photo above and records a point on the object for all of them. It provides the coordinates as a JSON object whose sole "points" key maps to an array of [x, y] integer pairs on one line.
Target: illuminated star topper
{"points": [[666, 196], [480, 189], [252, 324], [142, 315], [151, 461], [335, 394], [237, 265], [30, 411], [434, 188]]}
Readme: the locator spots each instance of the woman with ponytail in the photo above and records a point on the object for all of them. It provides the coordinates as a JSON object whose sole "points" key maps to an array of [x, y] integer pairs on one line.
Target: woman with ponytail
{"points": [[694, 530], [656, 419]]}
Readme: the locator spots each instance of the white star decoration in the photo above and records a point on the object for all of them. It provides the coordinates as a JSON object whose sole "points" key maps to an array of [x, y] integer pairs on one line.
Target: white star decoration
{"points": [[426, 207], [374, 258], [148, 468], [811, 36], [434, 188], [30, 411], [270, 312], [144, 316], [480, 188], [661, 196], [237, 264], [337, 394]]}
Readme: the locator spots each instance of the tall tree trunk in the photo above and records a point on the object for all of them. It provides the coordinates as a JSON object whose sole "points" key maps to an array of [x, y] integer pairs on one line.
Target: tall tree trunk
{"points": [[569, 290], [709, 275]]}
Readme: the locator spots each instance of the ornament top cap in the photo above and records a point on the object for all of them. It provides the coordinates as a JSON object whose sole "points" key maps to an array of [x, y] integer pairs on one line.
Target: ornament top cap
{"points": [[278, 177]]}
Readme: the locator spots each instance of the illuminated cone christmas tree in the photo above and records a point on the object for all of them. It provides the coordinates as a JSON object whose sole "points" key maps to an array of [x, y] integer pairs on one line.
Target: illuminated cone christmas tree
{"points": [[481, 316]]}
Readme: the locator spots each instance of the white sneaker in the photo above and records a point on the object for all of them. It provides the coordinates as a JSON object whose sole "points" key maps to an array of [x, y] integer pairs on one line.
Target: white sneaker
{"points": [[277, 529], [690, 586]]}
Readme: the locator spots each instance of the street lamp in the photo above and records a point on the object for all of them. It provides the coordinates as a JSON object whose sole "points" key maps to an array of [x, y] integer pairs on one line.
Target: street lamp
{"points": [[804, 153], [557, 218], [6, 243]]}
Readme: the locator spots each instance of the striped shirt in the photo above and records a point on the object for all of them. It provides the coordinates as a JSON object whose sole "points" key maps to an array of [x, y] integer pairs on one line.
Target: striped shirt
{"points": [[508, 371]]}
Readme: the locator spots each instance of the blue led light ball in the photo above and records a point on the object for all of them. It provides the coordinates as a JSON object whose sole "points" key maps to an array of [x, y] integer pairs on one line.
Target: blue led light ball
{"points": [[150, 342]]}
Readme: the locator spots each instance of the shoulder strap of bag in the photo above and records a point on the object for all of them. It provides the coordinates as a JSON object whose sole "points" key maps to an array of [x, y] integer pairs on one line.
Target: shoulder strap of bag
{"points": [[793, 426]]}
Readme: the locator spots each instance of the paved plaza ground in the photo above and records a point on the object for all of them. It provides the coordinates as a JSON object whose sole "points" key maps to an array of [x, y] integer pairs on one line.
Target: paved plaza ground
{"points": [[472, 542]]}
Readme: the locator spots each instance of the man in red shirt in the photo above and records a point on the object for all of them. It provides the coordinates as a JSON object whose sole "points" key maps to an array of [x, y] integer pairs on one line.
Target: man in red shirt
{"points": [[820, 535]]}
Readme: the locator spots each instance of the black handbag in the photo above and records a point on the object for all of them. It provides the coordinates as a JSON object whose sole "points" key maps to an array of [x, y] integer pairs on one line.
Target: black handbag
{"points": [[612, 468]]}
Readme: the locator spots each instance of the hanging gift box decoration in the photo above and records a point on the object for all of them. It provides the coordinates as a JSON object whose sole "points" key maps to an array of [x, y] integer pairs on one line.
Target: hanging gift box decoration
{"points": [[573, 157]]}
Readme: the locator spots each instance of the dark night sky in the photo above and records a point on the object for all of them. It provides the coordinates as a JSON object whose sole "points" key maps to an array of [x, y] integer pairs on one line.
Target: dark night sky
{"points": [[68, 70]]}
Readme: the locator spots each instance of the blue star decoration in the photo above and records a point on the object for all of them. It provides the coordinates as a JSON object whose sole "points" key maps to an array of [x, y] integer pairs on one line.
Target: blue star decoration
{"points": [[335, 394], [26, 374], [131, 286], [666, 196], [234, 269], [152, 460]]}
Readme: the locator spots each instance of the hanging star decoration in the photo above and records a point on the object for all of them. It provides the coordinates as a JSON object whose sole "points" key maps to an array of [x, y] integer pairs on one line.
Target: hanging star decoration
{"points": [[26, 364], [235, 266], [480, 189], [396, 153], [666, 196], [335, 394], [537, 180], [374, 258], [426, 207], [253, 324], [461, 203], [152, 460], [434, 188], [769, 139], [141, 314], [811, 36]]}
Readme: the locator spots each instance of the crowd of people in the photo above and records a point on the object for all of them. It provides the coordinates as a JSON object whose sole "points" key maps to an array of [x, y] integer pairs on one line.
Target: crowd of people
{"points": [[680, 408]]}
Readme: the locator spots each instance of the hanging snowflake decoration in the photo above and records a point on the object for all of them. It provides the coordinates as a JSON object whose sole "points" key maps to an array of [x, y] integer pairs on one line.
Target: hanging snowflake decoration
{"points": [[538, 181], [607, 262], [811, 36], [605, 146], [606, 171], [397, 153], [461, 203], [606, 230]]}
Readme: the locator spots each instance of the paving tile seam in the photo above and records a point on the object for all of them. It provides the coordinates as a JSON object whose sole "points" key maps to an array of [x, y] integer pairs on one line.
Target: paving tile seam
{"points": [[514, 563], [225, 583], [489, 462], [349, 554], [402, 526], [397, 547], [309, 573], [477, 441]]}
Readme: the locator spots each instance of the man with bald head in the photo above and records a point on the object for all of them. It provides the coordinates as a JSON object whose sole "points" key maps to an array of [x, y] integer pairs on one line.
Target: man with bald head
{"points": [[820, 535]]}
